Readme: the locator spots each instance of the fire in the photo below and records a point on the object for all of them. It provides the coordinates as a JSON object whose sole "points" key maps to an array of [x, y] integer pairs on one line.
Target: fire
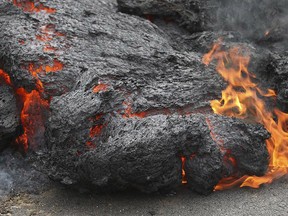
{"points": [[31, 6], [244, 99]]}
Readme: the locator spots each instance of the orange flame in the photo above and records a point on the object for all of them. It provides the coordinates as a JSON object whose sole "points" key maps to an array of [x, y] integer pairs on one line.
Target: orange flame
{"points": [[244, 99], [30, 6]]}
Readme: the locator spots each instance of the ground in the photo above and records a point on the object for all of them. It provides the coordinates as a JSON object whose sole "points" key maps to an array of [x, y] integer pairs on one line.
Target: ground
{"points": [[268, 200]]}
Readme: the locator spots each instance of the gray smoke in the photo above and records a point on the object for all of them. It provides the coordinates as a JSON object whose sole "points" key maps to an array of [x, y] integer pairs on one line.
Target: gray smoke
{"points": [[259, 20]]}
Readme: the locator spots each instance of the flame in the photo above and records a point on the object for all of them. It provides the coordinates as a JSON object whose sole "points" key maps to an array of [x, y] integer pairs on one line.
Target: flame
{"points": [[31, 6], [244, 99]]}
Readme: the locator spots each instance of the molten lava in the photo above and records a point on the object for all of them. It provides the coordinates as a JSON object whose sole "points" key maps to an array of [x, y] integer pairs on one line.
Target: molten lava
{"points": [[184, 179], [34, 106], [57, 66], [129, 114], [31, 6], [32, 117], [244, 99], [5, 77], [100, 87]]}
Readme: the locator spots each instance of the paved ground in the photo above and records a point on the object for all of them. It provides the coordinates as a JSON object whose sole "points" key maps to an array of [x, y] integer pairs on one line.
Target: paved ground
{"points": [[269, 200]]}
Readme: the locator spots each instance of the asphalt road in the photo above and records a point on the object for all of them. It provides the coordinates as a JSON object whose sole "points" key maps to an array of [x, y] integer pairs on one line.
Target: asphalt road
{"points": [[268, 200]]}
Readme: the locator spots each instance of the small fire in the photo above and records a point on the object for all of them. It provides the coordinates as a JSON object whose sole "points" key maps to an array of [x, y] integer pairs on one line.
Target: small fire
{"points": [[33, 6], [244, 99]]}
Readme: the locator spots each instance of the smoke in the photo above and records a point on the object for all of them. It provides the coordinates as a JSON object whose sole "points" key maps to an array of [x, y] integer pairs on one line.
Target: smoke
{"points": [[260, 20]]}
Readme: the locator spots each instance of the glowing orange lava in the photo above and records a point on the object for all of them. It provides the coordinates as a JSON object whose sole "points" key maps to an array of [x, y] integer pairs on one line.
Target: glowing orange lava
{"points": [[34, 106], [31, 116], [184, 180], [48, 48], [244, 99], [5, 77], [129, 114], [100, 87], [31, 6], [57, 66]]}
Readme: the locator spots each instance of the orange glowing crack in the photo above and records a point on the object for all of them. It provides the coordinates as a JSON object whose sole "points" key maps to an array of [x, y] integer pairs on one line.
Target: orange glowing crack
{"points": [[100, 88], [4, 76], [31, 119], [96, 130], [184, 179], [48, 48], [232, 65], [57, 66], [48, 32]]}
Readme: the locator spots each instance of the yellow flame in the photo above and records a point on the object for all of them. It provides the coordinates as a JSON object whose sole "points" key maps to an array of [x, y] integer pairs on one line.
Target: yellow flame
{"points": [[244, 99]]}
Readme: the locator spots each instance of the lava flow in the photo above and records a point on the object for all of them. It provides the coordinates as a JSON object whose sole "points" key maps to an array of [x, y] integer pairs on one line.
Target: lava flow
{"points": [[33, 105], [244, 99]]}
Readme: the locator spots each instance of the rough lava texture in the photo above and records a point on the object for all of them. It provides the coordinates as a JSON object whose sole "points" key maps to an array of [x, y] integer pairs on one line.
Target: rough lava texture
{"points": [[128, 98], [9, 115], [146, 153]]}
